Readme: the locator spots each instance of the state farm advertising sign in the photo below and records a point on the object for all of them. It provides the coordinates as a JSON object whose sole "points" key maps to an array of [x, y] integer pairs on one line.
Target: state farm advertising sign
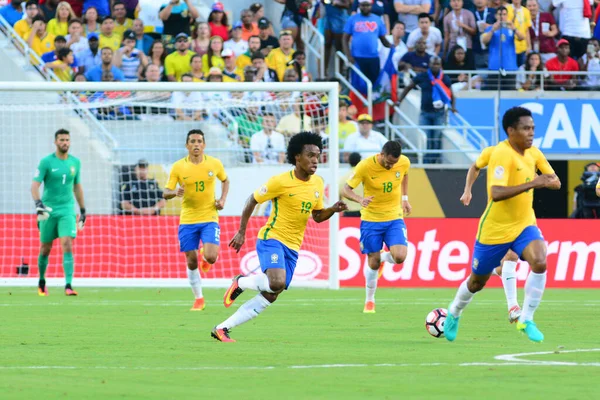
{"points": [[440, 251]]}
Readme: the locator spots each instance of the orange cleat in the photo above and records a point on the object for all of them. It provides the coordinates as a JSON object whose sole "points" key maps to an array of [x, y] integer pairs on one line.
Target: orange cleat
{"points": [[198, 305], [369, 307], [69, 291], [222, 335], [204, 265], [233, 292], [42, 289]]}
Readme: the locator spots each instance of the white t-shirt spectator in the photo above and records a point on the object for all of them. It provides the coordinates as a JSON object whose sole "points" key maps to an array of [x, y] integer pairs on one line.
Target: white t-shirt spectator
{"points": [[79, 46], [149, 10], [593, 80], [270, 146], [182, 99], [384, 52], [411, 21], [238, 48], [570, 20], [433, 39], [366, 146]]}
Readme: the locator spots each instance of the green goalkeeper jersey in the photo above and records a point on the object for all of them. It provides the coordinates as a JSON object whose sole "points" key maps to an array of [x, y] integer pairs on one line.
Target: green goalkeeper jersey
{"points": [[58, 177]]}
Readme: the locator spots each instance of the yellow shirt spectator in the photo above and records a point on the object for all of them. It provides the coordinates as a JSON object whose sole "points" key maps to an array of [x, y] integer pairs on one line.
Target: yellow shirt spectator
{"points": [[243, 60], [227, 76], [43, 45], [216, 62], [522, 21], [58, 28], [177, 64], [113, 41], [121, 28], [23, 29], [344, 129], [278, 61], [64, 74]]}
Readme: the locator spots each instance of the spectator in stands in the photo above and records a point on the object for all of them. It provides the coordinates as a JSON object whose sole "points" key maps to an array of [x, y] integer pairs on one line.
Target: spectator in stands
{"points": [[231, 73], [196, 65], [157, 56], [60, 24], [299, 64], [396, 40], [217, 20], [563, 63], [590, 62], [129, 59], [236, 44], [268, 42], [585, 197], [458, 61], [59, 43], [353, 207], [178, 62], [141, 196], [418, 60], [521, 19], [245, 59], [500, 40], [268, 145], [101, 7], [459, 28], [96, 74], [432, 35], [294, 13], [365, 30], [149, 11], [526, 79], [249, 27], [12, 12], [90, 21], [346, 126], [48, 9], [201, 38], [249, 123], [409, 10], [279, 58], [76, 6], [143, 42], [250, 74], [176, 17], [542, 32], [108, 37], [131, 6], [383, 9], [91, 57], [573, 25], [263, 72], [76, 41], [39, 39], [24, 26], [366, 141], [62, 65], [191, 99], [213, 58], [336, 15], [485, 17], [122, 23], [291, 123], [436, 98]]}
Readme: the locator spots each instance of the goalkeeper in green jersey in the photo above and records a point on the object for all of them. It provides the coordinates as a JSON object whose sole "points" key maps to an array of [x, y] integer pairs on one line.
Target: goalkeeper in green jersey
{"points": [[55, 210]]}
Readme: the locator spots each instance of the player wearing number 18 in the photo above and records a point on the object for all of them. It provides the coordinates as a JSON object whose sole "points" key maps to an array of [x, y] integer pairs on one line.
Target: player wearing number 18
{"points": [[196, 176], [59, 172], [385, 180]]}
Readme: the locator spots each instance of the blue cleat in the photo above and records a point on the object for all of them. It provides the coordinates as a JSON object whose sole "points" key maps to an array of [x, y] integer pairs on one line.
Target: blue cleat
{"points": [[451, 327], [532, 331]]}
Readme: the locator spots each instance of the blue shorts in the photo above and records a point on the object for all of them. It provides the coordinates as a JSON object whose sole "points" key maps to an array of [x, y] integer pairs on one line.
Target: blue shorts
{"points": [[486, 257], [274, 254], [335, 19], [190, 235], [374, 234], [290, 20]]}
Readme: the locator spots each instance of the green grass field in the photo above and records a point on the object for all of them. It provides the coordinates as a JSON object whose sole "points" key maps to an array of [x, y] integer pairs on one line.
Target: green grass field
{"points": [[315, 344]]}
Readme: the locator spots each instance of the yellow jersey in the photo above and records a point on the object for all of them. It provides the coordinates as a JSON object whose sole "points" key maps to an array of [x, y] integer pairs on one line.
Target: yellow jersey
{"points": [[199, 182], [113, 41], [277, 61], [243, 61], [120, 29], [23, 29], [484, 158], [503, 221], [65, 75], [384, 185], [216, 62], [58, 28], [293, 203], [43, 45], [177, 64], [522, 21], [345, 129]]}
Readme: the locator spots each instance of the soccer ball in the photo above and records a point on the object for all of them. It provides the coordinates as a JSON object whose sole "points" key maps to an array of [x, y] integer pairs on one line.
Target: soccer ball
{"points": [[434, 323]]}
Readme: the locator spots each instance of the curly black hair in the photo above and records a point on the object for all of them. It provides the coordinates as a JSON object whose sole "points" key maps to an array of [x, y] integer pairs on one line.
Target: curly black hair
{"points": [[512, 116], [297, 143]]}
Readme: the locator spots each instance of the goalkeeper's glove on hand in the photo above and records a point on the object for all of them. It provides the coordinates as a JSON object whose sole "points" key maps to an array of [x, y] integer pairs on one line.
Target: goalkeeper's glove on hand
{"points": [[43, 212], [82, 218]]}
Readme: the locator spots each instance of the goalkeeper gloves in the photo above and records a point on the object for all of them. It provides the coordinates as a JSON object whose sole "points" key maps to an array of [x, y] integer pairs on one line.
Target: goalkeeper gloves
{"points": [[43, 212], [82, 218]]}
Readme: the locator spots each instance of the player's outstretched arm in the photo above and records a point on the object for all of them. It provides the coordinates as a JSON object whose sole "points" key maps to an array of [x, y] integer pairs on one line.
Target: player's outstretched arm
{"points": [[326, 213], [472, 176], [240, 237], [500, 193]]}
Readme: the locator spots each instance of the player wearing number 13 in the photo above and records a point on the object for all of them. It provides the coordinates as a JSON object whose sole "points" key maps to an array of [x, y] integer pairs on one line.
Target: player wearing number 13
{"points": [[196, 176], [59, 172]]}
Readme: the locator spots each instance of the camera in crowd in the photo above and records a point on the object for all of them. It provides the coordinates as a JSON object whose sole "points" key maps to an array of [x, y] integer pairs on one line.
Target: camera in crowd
{"points": [[588, 203]]}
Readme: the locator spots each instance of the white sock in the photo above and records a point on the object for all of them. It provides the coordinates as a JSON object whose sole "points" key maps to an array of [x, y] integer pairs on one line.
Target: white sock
{"points": [[370, 282], [387, 257], [258, 282], [534, 290], [462, 299], [195, 282], [509, 281], [246, 312]]}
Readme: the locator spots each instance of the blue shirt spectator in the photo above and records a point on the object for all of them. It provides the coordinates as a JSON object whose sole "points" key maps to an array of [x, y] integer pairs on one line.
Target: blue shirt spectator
{"points": [[51, 56], [415, 60], [381, 8], [365, 32], [101, 6], [12, 12], [487, 16], [88, 60], [502, 49], [422, 80], [95, 74]]}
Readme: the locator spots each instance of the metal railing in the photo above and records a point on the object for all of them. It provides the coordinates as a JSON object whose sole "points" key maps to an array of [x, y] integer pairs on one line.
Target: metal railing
{"points": [[367, 101], [470, 133], [314, 47]]}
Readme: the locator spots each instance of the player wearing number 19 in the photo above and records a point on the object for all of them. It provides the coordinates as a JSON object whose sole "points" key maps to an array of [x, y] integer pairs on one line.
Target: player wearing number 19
{"points": [[385, 180], [296, 195], [196, 176], [59, 172]]}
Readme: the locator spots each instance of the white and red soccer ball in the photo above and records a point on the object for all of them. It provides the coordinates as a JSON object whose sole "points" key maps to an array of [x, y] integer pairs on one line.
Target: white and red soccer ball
{"points": [[434, 323]]}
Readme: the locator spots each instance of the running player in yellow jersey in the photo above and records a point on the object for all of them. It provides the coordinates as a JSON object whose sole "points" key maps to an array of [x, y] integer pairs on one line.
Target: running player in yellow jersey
{"points": [[296, 195], [507, 269], [508, 221], [196, 176], [385, 180]]}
